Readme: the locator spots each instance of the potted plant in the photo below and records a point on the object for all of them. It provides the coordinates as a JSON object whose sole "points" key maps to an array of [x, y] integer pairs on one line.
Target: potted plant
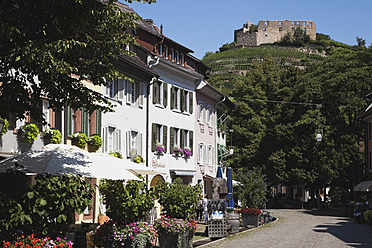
{"points": [[159, 149], [79, 139], [187, 152], [250, 216], [139, 159], [179, 203], [94, 143], [120, 234], [5, 127], [29, 133], [116, 154], [175, 232], [52, 136], [177, 151]]}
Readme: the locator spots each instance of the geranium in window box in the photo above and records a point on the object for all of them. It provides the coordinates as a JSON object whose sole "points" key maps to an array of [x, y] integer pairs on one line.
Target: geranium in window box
{"points": [[160, 148], [187, 152], [94, 143], [177, 151]]}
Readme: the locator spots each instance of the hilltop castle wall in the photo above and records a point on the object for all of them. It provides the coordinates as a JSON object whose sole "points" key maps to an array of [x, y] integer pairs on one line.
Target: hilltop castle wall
{"points": [[271, 31]]}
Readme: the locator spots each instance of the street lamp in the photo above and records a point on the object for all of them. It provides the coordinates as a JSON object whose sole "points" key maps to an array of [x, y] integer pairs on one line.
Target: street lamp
{"points": [[319, 135], [2, 123]]}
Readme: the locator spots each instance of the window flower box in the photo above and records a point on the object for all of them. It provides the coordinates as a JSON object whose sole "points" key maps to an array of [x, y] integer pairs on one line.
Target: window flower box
{"points": [[177, 151], [187, 152], [160, 149]]}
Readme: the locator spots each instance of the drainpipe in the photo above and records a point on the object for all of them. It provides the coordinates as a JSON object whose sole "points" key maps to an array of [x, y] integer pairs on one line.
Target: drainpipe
{"points": [[153, 80], [215, 134]]}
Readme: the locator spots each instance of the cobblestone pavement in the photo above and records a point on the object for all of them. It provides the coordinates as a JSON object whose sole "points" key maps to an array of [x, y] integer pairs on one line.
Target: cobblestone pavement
{"points": [[303, 228]]}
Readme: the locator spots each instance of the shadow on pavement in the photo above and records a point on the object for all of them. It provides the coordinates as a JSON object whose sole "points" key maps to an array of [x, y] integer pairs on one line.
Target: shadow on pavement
{"points": [[351, 233]]}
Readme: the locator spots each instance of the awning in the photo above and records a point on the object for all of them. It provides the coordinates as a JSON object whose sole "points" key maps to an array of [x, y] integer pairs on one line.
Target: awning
{"points": [[143, 172], [365, 186], [184, 173]]}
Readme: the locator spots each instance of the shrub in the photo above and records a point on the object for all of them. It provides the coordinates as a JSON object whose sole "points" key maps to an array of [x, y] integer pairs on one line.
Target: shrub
{"points": [[178, 200], [45, 208], [252, 188], [127, 203]]}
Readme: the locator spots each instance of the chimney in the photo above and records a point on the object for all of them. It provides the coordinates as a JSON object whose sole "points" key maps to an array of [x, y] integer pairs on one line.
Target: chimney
{"points": [[161, 29]]}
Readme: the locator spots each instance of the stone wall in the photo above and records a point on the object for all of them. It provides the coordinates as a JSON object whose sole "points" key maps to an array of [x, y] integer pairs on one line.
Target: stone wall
{"points": [[271, 31]]}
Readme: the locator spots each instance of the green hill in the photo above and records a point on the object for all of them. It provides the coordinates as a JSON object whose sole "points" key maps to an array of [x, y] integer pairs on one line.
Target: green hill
{"points": [[238, 61]]}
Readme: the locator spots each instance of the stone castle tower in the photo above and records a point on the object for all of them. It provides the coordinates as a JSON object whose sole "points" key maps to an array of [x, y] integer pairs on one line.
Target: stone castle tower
{"points": [[271, 31]]}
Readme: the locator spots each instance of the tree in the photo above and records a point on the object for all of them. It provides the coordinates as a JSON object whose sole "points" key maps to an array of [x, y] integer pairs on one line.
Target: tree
{"points": [[49, 47]]}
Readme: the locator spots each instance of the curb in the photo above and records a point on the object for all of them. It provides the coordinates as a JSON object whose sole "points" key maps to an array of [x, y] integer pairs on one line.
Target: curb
{"points": [[221, 239]]}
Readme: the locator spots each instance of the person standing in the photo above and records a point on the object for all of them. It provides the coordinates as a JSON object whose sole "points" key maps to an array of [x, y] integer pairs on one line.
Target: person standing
{"points": [[200, 211], [205, 208]]}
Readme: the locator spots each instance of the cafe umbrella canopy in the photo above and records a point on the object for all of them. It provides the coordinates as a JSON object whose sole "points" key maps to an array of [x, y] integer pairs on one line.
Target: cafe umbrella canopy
{"points": [[66, 159]]}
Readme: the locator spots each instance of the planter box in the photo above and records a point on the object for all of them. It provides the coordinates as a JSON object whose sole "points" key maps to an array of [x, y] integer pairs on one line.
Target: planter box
{"points": [[178, 240], [251, 219]]}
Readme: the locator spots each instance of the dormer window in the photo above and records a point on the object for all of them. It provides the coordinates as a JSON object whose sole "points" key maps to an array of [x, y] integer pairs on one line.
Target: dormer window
{"points": [[177, 57], [166, 52], [172, 55], [182, 59], [161, 49]]}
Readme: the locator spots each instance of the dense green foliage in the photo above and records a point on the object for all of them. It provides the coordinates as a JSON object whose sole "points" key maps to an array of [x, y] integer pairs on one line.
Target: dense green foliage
{"points": [[5, 127], [278, 111], [130, 202], [179, 200], [52, 136], [95, 142], [44, 43], [29, 133], [80, 140], [44, 208], [251, 190]]}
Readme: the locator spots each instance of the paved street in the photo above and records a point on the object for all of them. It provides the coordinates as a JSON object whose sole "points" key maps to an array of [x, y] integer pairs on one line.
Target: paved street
{"points": [[303, 228]]}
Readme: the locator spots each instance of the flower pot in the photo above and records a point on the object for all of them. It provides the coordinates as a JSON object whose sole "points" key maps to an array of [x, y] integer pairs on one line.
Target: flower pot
{"points": [[250, 219], [138, 241], [233, 220], [176, 240]]}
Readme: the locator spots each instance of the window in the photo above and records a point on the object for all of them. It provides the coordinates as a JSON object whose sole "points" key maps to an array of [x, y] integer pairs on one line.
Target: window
{"points": [[280, 23], [293, 23], [201, 112], [280, 29], [209, 116], [133, 144], [175, 98], [177, 57], [264, 29], [297, 23], [181, 138], [166, 52], [304, 23], [200, 153], [210, 155], [160, 92], [304, 29], [115, 89], [182, 59], [159, 136], [265, 22], [111, 139], [161, 49], [172, 55]]}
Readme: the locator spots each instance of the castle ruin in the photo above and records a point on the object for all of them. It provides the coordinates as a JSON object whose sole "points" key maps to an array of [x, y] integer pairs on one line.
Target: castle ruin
{"points": [[270, 31]]}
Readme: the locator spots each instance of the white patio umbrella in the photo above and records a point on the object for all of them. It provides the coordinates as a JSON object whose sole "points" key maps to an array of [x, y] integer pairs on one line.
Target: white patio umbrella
{"points": [[59, 158]]}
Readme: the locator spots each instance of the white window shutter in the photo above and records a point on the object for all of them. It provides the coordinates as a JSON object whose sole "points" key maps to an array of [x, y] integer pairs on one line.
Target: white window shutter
{"points": [[139, 143], [129, 91], [119, 140], [106, 138], [141, 94], [120, 89], [199, 154], [127, 145]]}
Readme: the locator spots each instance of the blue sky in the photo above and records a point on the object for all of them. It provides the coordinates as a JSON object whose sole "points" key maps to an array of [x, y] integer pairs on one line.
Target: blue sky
{"points": [[204, 25]]}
